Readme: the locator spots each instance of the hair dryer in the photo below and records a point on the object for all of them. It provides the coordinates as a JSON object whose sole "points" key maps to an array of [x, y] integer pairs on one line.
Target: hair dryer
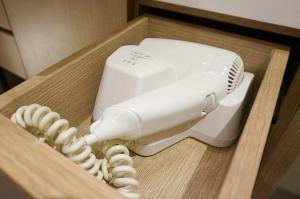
{"points": [[160, 84]]}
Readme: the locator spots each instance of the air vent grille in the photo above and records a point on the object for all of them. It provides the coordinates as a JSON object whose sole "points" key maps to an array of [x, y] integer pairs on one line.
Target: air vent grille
{"points": [[235, 74]]}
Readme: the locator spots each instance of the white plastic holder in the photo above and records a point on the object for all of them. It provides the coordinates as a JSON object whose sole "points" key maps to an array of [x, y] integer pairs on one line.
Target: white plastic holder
{"points": [[219, 128]]}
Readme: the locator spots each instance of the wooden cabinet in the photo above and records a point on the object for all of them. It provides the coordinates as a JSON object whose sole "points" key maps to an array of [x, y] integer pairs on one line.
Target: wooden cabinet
{"points": [[47, 31], [189, 169]]}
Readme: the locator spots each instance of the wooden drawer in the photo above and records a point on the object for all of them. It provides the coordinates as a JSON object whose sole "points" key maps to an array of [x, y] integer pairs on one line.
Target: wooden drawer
{"points": [[3, 18], [189, 169], [9, 55]]}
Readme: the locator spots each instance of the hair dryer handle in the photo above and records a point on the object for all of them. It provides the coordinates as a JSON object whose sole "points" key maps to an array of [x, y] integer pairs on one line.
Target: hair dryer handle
{"points": [[160, 109]]}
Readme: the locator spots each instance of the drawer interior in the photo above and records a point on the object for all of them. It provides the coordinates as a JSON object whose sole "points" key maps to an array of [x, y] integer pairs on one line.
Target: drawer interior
{"points": [[189, 168]]}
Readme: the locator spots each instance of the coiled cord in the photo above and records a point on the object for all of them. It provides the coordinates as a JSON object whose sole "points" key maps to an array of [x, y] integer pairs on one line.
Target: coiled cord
{"points": [[121, 168], [116, 167]]}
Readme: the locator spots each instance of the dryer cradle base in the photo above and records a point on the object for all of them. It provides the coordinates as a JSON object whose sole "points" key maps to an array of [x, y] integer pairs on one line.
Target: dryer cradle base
{"points": [[219, 128]]}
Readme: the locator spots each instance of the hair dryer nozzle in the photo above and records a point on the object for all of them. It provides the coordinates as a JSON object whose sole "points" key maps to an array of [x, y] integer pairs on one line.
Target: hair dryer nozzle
{"points": [[115, 123]]}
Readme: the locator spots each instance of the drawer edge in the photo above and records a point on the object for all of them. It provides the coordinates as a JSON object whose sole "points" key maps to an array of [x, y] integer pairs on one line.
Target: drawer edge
{"points": [[240, 179], [47, 173]]}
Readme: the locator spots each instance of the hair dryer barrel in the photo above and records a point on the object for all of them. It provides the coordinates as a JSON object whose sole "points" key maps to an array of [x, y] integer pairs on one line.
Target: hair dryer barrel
{"points": [[159, 109]]}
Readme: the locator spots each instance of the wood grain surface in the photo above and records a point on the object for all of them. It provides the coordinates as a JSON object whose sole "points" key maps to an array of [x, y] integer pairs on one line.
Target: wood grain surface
{"points": [[283, 144], [188, 169], [70, 88], [240, 179], [41, 171]]}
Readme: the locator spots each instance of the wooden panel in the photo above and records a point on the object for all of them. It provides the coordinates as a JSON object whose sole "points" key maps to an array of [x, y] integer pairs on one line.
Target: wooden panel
{"points": [[41, 171], [48, 31], [243, 169], [9, 55], [279, 161], [70, 88], [282, 146], [161, 175], [187, 169], [221, 17], [3, 18], [288, 109]]}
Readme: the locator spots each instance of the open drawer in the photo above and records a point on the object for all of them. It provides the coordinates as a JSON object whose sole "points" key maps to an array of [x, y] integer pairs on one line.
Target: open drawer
{"points": [[188, 169]]}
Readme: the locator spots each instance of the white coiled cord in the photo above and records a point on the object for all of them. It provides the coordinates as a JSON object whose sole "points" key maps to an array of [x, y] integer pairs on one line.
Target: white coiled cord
{"points": [[115, 168], [121, 168]]}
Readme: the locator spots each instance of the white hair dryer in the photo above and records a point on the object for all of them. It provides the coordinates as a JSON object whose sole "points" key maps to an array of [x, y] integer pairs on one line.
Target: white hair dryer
{"points": [[163, 83]]}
